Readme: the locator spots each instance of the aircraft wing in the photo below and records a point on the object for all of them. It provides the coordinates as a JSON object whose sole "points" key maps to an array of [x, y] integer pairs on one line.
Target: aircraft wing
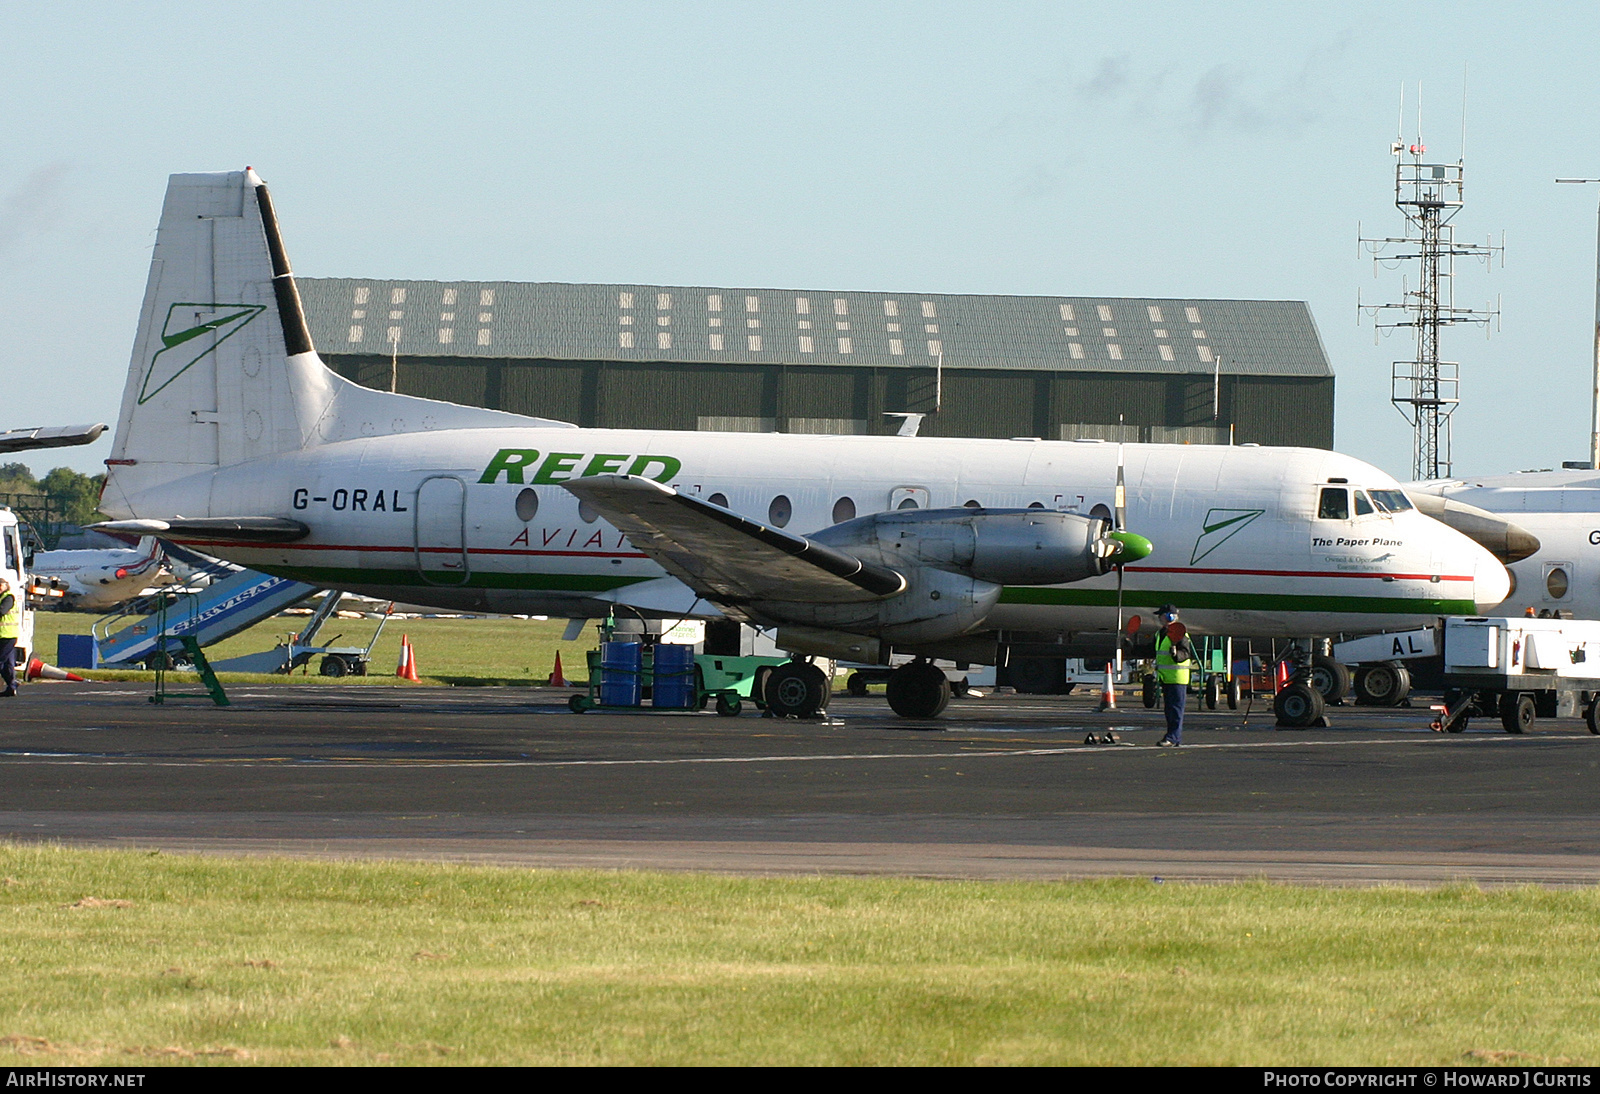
{"points": [[54, 436], [727, 558]]}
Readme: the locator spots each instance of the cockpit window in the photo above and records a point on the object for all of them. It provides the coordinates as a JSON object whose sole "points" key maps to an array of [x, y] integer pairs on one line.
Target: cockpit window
{"points": [[1363, 506], [1391, 501], [1335, 504]]}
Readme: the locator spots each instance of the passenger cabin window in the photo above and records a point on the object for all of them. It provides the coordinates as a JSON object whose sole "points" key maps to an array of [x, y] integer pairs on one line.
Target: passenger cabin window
{"points": [[780, 511], [1363, 506], [1335, 504]]}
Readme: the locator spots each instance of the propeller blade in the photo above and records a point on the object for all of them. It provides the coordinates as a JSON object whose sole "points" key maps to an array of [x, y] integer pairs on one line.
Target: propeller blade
{"points": [[1119, 619], [1121, 499]]}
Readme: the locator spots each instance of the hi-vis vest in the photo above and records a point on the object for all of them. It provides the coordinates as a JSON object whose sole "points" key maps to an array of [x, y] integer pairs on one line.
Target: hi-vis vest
{"points": [[1169, 670], [11, 621]]}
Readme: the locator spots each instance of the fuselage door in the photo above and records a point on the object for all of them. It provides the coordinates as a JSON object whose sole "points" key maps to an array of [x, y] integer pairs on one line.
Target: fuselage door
{"points": [[440, 526], [908, 497]]}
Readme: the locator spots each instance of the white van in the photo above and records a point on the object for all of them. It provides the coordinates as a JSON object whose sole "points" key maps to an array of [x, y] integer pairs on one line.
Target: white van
{"points": [[13, 567]]}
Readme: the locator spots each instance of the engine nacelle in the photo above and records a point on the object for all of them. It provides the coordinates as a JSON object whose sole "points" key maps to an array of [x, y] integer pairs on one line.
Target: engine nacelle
{"points": [[935, 605], [997, 546]]}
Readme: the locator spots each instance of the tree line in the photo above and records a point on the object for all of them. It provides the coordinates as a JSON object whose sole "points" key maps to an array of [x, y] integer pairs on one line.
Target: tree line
{"points": [[76, 495]]}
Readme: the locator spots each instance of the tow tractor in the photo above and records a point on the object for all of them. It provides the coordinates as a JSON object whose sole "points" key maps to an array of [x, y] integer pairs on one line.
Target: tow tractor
{"points": [[1521, 669]]}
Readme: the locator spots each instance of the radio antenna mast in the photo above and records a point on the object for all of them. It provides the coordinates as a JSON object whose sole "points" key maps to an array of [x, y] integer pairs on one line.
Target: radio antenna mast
{"points": [[1426, 389]]}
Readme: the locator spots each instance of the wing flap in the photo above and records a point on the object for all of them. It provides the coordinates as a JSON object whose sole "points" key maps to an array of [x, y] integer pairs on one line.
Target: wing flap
{"points": [[727, 558]]}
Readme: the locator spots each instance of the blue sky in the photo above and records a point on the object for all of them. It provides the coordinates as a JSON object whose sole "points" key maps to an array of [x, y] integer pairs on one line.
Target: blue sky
{"points": [[1134, 149]]}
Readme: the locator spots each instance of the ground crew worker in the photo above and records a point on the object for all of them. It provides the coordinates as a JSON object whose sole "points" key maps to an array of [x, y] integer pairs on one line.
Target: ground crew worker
{"points": [[10, 631], [1173, 662]]}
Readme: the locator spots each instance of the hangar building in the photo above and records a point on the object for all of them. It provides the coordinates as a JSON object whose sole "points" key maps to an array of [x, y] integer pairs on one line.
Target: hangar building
{"points": [[800, 361]]}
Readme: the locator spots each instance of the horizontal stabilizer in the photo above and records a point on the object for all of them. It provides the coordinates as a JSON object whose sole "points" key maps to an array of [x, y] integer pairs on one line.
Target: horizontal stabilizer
{"points": [[52, 436], [727, 558], [222, 529]]}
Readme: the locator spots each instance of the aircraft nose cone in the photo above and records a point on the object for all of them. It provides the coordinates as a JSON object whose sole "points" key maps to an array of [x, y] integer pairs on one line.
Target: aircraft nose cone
{"points": [[1520, 544], [1490, 586]]}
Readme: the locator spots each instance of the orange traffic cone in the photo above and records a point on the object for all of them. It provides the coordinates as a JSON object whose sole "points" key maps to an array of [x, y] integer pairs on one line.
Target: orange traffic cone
{"points": [[1108, 691], [405, 656], [38, 670], [1282, 680], [557, 678], [411, 663]]}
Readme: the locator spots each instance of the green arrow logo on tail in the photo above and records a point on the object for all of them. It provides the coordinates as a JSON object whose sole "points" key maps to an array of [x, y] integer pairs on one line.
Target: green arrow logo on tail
{"points": [[192, 320], [1220, 526]]}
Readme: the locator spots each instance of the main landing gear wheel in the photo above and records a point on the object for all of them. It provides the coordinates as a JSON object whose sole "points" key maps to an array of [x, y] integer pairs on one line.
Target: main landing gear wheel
{"points": [[797, 690], [1591, 717], [1213, 693], [1235, 694], [1516, 712], [856, 684], [1298, 706], [1385, 684], [1330, 678], [1151, 693], [918, 690]]}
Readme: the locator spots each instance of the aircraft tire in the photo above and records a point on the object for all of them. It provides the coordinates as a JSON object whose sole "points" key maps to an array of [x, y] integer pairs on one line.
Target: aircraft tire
{"points": [[856, 684], [918, 690], [1150, 693], [1591, 716], [1385, 684], [1213, 693], [1235, 694], [1517, 711], [1298, 706], [797, 690], [1330, 678]]}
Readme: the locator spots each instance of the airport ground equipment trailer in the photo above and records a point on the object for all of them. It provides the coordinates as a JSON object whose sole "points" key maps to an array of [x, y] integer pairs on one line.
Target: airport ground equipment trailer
{"points": [[672, 677], [1215, 678], [1520, 669], [300, 648]]}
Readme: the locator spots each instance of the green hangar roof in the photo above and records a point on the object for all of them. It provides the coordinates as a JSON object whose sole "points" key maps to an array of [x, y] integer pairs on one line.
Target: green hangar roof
{"points": [[543, 320]]}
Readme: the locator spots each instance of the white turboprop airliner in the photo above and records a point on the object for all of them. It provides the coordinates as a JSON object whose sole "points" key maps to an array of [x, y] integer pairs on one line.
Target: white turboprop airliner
{"points": [[235, 438], [95, 580], [1562, 510]]}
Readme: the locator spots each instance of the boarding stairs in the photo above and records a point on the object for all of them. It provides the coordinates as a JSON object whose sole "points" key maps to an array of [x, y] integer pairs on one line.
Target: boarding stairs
{"points": [[234, 600]]}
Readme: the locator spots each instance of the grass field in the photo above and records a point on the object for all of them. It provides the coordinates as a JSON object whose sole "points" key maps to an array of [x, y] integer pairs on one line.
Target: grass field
{"points": [[498, 650], [121, 957]]}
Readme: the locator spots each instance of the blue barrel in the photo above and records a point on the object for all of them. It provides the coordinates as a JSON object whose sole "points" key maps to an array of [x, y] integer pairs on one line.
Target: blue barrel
{"points": [[674, 676], [621, 672]]}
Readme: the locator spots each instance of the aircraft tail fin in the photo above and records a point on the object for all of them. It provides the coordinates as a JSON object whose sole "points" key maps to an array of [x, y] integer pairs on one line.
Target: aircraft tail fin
{"points": [[223, 368]]}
